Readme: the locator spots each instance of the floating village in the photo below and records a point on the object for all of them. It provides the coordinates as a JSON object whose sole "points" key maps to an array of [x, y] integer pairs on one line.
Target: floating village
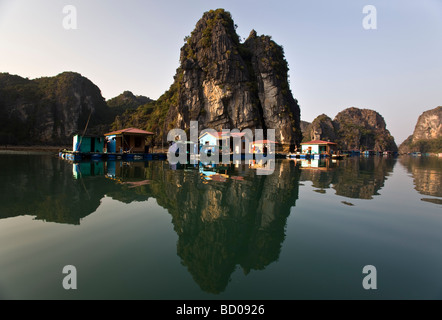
{"points": [[133, 144]]}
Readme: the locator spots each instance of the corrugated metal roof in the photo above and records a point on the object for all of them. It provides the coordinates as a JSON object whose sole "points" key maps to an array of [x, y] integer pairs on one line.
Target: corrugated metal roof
{"points": [[128, 130]]}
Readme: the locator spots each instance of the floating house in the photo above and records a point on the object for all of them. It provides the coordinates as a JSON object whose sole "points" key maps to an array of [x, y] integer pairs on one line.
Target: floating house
{"points": [[88, 144], [189, 147], [416, 154], [214, 139], [128, 140], [85, 147], [127, 144], [318, 148], [370, 153], [389, 154], [210, 139]]}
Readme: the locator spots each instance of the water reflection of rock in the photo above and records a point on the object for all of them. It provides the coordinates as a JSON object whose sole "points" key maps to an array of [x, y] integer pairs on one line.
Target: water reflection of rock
{"points": [[224, 224], [238, 220], [359, 178], [45, 187], [426, 172]]}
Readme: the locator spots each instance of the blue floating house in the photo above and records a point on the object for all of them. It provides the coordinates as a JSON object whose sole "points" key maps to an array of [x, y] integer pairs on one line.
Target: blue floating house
{"points": [[127, 144], [88, 144], [370, 153], [318, 148]]}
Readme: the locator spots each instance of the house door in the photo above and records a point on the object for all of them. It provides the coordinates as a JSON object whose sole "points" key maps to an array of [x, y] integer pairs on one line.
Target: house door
{"points": [[126, 143], [92, 144]]}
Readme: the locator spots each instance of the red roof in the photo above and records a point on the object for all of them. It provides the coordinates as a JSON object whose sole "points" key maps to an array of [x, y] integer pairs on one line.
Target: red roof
{"points": [[128, 130], [318, 142], [264, 141], [220, 135]]}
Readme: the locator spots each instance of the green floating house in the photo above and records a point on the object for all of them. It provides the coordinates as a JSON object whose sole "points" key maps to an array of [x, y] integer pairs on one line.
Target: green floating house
{"points": [[319, 147], [88, 144]]}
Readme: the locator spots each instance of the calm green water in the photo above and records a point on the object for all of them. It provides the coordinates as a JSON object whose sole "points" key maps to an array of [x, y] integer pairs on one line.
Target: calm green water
{"points": [[144, 230]]}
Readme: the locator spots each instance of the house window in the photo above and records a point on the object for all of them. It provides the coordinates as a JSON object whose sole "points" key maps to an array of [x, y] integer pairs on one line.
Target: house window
{"points": [[138, 142]]}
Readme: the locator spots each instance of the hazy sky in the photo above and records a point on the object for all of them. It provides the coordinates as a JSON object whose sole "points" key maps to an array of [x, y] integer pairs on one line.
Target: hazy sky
{"points": [[334, 62]]}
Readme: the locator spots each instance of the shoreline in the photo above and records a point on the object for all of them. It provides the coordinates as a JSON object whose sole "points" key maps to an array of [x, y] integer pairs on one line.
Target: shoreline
{"points": [[31, 149]]}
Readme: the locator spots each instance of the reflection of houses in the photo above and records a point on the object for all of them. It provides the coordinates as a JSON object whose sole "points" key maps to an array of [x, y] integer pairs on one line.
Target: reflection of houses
{"points": [[207, 171], [86, 144], [89, 168], [127, 140], [265, 167], [132, 174], [218, 173], [318, 164], [263, 146], [125, 170], [319, 147]]}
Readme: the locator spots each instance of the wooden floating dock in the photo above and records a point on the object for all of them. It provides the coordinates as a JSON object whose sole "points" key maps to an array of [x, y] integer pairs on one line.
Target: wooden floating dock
{"points": [[97, 156]]}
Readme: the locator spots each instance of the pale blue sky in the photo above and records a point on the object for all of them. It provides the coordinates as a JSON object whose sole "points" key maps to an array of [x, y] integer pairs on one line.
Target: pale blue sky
{"points": [[334, 62]]}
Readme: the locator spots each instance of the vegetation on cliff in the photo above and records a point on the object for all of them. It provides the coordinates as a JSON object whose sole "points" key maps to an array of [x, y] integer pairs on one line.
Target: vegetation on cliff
{"points": [[427, 135], [353, 129], [150, 116], [49, 110], [223, 83], [126, 101], [363, 129]]}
